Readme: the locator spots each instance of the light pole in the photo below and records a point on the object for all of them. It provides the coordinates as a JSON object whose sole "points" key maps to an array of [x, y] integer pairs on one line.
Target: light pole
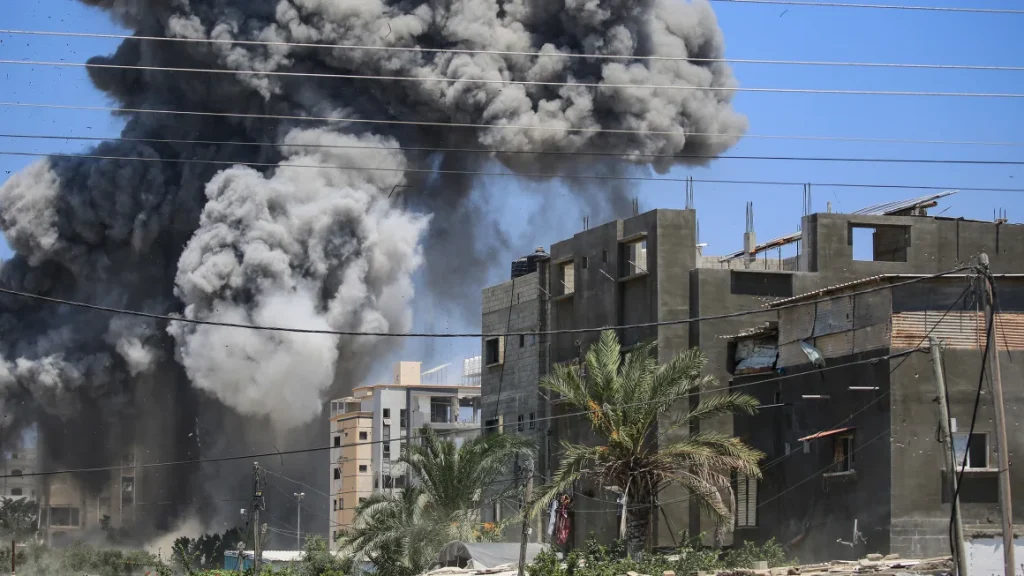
{"points": [[298, 528]]}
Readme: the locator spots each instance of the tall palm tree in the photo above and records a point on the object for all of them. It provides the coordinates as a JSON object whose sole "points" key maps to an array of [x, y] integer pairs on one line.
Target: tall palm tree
{"points": [[402, 532], [626, 402]]}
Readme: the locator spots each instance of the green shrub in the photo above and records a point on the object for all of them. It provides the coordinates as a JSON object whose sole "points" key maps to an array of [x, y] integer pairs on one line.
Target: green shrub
{"points": [[600, 560], [746, 555]]}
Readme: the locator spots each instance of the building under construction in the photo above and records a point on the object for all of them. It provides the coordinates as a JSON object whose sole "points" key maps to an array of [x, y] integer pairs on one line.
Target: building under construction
{"points": [[653, 268]]}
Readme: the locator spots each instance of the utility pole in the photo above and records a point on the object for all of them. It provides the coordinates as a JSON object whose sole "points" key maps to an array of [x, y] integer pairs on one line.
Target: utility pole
{"points": [[298, 527], [257, 505], [525, 511], [1002, 447], [950, 456]]}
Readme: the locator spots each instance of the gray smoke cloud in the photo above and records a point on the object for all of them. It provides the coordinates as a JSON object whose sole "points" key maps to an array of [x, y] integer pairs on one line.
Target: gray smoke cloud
{"points": [[313, 247]]}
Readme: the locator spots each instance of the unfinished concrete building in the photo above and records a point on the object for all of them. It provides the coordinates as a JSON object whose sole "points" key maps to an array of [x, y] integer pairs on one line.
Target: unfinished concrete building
{"points": [[853, 464], [651, 268]]}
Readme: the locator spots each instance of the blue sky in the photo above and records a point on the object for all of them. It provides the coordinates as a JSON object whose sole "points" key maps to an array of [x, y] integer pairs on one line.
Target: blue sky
{"points": [[752, 31]]}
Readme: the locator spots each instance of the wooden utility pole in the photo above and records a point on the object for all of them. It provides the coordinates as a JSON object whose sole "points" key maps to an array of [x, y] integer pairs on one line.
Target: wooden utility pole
{"points": [[950, 456], [1002, 446], [527, 497]]}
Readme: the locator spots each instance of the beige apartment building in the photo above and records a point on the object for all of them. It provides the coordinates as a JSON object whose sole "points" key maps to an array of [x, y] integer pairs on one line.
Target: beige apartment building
{"points": [[368, 428]]}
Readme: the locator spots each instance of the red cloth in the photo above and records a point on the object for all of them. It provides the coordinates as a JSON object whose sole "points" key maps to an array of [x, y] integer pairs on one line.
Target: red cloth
{"points": [[562, 522]]}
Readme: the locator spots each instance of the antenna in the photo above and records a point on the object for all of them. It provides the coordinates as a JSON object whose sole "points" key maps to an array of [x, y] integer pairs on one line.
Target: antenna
{"points": [[636, 206], [586, 222], [689, 193]]}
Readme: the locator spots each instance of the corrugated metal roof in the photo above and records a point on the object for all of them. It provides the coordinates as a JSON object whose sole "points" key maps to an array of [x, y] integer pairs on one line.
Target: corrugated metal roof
{"points": [[751, 332], [826, 433], [963, 329], [901, 205]]}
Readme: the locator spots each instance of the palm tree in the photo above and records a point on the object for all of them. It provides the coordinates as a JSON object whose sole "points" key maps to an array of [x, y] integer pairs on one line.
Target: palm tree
{"points": [[402, 532], [626, 401]]}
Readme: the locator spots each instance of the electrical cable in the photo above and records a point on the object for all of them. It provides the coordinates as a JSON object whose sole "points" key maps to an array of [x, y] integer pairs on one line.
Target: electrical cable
{"points": [[820, 472], [555, 176], [510, 82], [439, 434], [809, 4], [475, 126], [503, 344], [659, 323], [520, 152], [990, 322], [472, 51]]}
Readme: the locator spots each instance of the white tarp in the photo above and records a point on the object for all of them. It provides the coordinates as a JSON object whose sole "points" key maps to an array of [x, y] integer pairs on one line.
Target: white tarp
{"points": [[484, 554]]}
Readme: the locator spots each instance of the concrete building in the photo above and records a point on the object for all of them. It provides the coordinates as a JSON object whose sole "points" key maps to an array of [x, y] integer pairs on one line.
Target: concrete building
{"points": [[73, 504], [651, 269], [368, 428], [855, 448], [19, 462]]}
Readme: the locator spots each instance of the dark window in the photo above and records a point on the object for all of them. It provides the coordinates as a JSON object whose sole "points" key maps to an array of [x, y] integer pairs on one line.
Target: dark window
{"points": [[977, 451], [604, 256], [363, 436], [335, 504], [761, 284], [387, 412], [634, 259], [522, 340], [15, 491], [879, 243], [585, 263], [491, 426], [778, 397], [362, 468], [440, 410], [401, 418], [843, 453], [337, 473], [15, 472], [337, 441], [533, 421], [519, 423], [361, 500], [63, 516], [493, 352], [341, 503], [386, 450]]}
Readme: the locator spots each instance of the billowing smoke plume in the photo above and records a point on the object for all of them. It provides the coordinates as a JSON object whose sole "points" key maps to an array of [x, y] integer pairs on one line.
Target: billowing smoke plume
{"points": [[312, 245]]}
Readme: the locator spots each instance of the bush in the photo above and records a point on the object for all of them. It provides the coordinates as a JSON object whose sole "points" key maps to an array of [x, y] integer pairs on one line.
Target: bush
{"points": [[745, 556], [599, 560]]}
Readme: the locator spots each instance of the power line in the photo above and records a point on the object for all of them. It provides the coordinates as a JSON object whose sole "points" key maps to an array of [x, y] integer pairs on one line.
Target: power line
{"points": [[502, 126], [439, 434], [807, 3], [472, 51], [503, 82], [822, 471], [338, 76], [659, 323], [548, 175], [509, 151]]}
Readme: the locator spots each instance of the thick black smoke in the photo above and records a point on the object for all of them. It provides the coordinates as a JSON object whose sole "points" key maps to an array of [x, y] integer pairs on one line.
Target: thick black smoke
{"points": [[312, 247]]}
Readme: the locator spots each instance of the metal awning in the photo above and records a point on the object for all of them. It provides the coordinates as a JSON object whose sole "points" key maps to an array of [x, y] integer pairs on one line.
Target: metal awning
{"points": [[826, 433]]}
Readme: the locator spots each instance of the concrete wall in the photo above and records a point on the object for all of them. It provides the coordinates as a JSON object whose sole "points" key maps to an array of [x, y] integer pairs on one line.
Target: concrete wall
{"points": [[935, 244], [920, 503], [796, 504]]}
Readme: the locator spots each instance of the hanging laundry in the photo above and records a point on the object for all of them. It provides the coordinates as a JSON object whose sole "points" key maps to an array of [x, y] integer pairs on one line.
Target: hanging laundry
{"points": [[552, 516], [562, 525]]}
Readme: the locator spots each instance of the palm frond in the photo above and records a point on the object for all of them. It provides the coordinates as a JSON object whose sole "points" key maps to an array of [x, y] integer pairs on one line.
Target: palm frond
{"points": [[576, 461]]}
